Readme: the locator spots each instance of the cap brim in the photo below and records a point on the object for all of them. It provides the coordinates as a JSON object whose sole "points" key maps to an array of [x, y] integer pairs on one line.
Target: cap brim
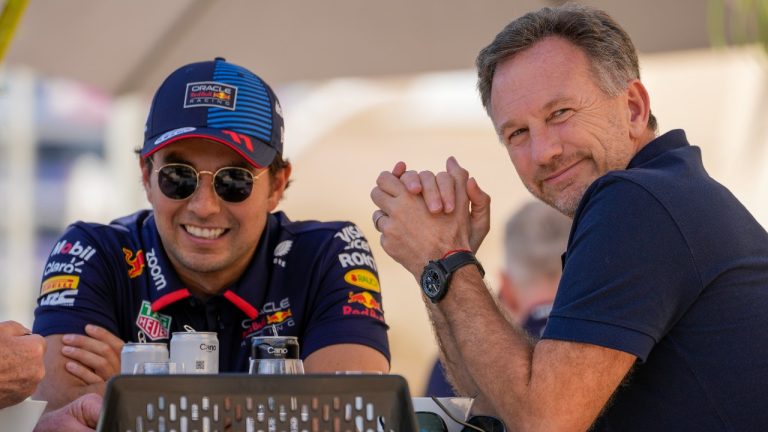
{"points": [[254, 151]]}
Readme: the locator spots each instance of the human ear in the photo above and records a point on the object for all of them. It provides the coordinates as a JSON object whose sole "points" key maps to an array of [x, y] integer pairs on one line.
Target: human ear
{"points": [[145, 175], [639, 108], [279, 181]]}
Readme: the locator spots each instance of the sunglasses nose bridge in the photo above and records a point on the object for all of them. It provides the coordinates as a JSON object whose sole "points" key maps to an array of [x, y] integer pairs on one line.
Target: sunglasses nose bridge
{"points": [[199, 173], [204, 200]]}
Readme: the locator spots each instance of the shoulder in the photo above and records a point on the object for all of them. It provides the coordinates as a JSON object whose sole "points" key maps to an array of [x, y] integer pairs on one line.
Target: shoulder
{"points": [[93, 236], [303, 227], [617, 199], [313, 230], [310, 238]]}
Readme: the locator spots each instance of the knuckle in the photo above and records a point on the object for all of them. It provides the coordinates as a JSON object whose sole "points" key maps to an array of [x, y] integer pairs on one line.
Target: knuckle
{"points": [[412, 174], [426, 175], [373, 193], [381, 177]]}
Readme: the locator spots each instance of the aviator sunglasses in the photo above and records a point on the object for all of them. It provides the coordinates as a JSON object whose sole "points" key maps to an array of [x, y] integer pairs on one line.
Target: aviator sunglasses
{"points": [[232, 184]]}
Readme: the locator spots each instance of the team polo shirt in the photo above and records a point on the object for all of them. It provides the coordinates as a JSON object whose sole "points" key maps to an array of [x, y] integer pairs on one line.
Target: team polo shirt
{"points": [[666, 264], [314, 280]]}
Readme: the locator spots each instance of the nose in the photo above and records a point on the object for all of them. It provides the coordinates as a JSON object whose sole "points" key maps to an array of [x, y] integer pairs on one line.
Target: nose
{"points": [[545, 145], [204, 202]]}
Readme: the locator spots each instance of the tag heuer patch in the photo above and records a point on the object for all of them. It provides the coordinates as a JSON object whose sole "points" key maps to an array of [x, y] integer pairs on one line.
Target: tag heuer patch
{"points": [[154, 325], [210, 93]]}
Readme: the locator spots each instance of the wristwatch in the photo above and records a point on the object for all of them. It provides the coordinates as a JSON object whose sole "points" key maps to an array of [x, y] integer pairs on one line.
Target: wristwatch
{"points": [[437, 273]]}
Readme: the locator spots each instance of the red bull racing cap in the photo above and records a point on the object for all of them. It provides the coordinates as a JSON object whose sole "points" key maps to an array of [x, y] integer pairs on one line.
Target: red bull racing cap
{"points": [[219, 101]]}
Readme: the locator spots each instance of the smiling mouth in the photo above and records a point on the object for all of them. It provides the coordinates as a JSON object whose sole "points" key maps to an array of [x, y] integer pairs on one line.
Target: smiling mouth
{"points": [[204, 233], [558, 174]]}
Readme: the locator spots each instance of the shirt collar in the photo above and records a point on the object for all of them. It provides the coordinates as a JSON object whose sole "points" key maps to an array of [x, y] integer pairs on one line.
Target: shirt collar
{"points": [[669, 141]]}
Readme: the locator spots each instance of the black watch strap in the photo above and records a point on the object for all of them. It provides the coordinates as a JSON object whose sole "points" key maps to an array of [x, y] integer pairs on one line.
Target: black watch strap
{"points": [[459, 259]]}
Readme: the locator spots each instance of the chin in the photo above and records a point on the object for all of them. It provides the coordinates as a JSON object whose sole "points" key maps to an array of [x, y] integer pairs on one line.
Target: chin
{"points": [[566, 202], [569, 201], [201, 264]]}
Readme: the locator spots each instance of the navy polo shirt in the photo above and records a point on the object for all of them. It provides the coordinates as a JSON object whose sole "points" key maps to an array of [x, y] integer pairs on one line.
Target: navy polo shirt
{"points": [[666, 264], [314, 280]]}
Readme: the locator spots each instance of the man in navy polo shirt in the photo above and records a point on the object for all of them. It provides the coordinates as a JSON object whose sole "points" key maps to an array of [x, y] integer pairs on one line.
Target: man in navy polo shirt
{"points": [[211, 255], [659, 322]]}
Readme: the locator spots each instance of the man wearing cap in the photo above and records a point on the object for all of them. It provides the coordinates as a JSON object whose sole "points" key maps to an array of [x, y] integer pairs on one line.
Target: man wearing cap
{"points": [[211, 255]]}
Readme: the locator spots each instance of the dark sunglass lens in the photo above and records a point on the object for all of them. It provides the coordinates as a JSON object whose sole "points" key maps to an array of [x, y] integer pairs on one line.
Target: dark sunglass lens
{"points": [[233, 184], [430, 422], [177, 181]]}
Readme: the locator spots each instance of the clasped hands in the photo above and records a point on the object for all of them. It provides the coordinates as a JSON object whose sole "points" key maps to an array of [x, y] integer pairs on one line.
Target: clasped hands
{"points": [[423, 215]]}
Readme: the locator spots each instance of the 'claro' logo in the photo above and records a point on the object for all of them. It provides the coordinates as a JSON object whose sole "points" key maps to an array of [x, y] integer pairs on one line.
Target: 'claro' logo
{"points": [[207, 348], [363, 278], [279, 351]]}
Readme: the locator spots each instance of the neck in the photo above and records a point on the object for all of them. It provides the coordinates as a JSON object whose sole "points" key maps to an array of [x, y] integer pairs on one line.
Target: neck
{"points": [[646, 138], [204, 285]]}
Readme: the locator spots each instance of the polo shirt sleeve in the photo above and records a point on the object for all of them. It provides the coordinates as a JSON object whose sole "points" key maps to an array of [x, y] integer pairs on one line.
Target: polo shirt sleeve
{"points": [[347, 305], [75, 287], [629, 274]]}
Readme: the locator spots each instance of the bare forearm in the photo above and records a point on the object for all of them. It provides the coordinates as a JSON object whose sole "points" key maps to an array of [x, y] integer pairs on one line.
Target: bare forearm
{"points": [[59, 393], [59, 387], [455, 367], [489, 347], [450, 356]]}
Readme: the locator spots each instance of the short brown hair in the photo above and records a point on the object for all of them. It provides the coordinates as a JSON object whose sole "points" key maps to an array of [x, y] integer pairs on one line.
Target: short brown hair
{"points": [[609, 48]]}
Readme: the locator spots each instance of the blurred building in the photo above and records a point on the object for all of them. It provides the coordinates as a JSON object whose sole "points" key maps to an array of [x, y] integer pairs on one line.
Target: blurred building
{"points": [[66, 146]]}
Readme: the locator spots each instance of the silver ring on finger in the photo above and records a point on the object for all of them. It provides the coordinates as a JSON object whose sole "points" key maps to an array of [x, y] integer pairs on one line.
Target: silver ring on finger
{"points": [[376, 220]]}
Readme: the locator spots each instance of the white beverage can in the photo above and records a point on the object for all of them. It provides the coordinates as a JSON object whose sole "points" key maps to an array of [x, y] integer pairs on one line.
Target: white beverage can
{"points": [[195, 352], [135, 355]]}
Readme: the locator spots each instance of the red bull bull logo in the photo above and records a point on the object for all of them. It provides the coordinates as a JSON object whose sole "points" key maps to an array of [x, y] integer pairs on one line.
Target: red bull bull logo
{"points": [[222, 96], [278, 317], [366, 299], [135, 263], [370, 306]]}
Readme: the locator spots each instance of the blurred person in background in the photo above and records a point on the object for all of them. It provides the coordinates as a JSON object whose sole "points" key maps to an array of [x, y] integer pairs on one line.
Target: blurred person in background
{"points": [[660, 315], [212, 254], [535, 237], [21, 369]]}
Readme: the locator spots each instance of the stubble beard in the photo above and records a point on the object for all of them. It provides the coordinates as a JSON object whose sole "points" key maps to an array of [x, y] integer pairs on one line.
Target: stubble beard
{"points": [[197, 264], [566, 202]]}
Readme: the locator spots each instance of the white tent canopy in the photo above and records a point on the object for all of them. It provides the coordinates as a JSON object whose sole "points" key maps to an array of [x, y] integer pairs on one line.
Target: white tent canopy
{"points": [[125, 46]]}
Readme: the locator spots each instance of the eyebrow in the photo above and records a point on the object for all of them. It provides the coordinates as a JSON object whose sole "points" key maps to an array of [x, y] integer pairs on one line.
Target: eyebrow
{"points": [[546, 107], [174, 158]]}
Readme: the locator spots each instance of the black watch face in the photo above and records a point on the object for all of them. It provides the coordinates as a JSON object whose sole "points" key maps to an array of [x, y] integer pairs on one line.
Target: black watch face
{"points": [[432, 281]]}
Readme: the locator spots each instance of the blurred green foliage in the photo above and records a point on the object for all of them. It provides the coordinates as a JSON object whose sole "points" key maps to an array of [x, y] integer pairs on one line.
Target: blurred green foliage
{"points": [[736, 22]]}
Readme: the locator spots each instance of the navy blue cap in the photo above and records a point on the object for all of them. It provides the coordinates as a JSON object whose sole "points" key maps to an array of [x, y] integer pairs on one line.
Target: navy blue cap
{"points": [[219, 101]]}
